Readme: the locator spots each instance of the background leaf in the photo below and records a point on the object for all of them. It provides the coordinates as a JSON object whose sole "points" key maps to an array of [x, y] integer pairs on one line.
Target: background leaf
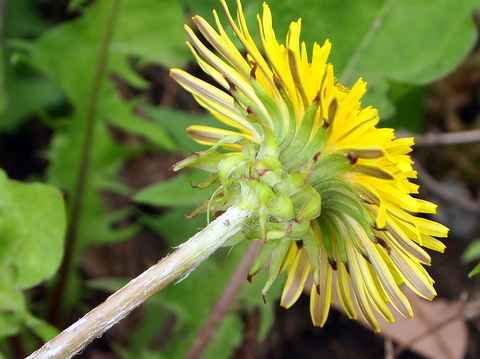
{"points": [[32, 227], [176, 192], [32, 222], [412, 41]]}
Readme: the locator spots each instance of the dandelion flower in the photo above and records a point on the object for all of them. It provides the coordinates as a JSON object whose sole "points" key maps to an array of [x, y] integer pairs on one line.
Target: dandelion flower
{"points": [[331, 191]]}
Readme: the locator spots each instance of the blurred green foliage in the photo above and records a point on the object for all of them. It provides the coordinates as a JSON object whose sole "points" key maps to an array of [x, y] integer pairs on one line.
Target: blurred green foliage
{"points": [[32, 226], [472, 253], [68, 71]]}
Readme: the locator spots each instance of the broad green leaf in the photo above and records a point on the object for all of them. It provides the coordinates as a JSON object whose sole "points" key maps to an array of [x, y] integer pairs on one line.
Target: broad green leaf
{"points": [[41, 328], [175, 123], [25, 96], [410, 41], [32, 24], [122, 116], [205, 8], [409, 100], [12, 303], [22, 92], [96, 224], [177, 191], [152, 31], [32, 227], [173, 226], [31, 230]]}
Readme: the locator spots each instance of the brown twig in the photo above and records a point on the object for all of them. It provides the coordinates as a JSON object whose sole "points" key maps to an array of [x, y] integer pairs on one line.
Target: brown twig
{"points": [[436, 187], [238, 278], [434, 329], [443, 139]]}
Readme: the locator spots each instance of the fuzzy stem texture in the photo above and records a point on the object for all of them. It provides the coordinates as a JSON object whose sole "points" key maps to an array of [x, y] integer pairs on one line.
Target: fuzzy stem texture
{"points": [[176, 265]]}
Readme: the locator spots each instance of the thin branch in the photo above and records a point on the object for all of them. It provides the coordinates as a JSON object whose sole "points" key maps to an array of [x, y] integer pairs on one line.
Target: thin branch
{"points": [[443, 139], [440, 190], [434, 329], [76, 205], [223, 304], [177, 265]]}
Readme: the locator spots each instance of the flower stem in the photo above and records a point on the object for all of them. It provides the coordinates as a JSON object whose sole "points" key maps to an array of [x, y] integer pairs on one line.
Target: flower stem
{"points": [[175, 266]]}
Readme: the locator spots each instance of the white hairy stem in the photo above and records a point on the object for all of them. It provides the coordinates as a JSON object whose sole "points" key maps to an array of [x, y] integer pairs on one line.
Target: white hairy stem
{"points": [[176, 265]]}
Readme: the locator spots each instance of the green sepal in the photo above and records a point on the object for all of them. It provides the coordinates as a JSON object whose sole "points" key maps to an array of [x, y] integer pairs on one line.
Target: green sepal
{"points": [[302, 135], [290, 184], [349, 209], [281, 207], [269, 144], [208, 182], [248, 148], [327, 239], [274, 111], [216, 202], [339, 194], [234, 240], [268, 163], [286, 139], [338, 236], [277, 259], [299, 230], [207, 160], [229, 166], [314, 146], [263, 194], [263, 258], [351, 237], [329, 166], [312, 247], [277, 234], [251, 110], [312, 205], [307, 169]]}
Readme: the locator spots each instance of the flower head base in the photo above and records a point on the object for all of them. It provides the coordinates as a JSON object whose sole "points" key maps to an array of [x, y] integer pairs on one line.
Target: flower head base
{"points": [[331, 190]]}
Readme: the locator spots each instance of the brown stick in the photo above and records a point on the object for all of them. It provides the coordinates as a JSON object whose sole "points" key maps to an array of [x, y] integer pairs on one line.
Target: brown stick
{"points": [[223, 303]]}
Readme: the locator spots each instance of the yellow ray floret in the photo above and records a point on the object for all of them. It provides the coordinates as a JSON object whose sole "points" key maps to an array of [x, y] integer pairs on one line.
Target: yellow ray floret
{"points": [[332, 191]]}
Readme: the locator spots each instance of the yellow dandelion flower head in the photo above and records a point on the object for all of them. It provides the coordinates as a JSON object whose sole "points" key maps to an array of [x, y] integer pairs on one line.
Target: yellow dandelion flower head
{"points": [[332, 190]]}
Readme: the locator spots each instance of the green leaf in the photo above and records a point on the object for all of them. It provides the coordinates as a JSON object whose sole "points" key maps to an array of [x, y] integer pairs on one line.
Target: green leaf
{"points": [[175, 192], [173, 225], [472, 252], [22, 92], [413, 41], [474, 271], [122, 116], [41, 328], [32, 227], [152, 30], [175, 122], [409, 102], [12, 303]]}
